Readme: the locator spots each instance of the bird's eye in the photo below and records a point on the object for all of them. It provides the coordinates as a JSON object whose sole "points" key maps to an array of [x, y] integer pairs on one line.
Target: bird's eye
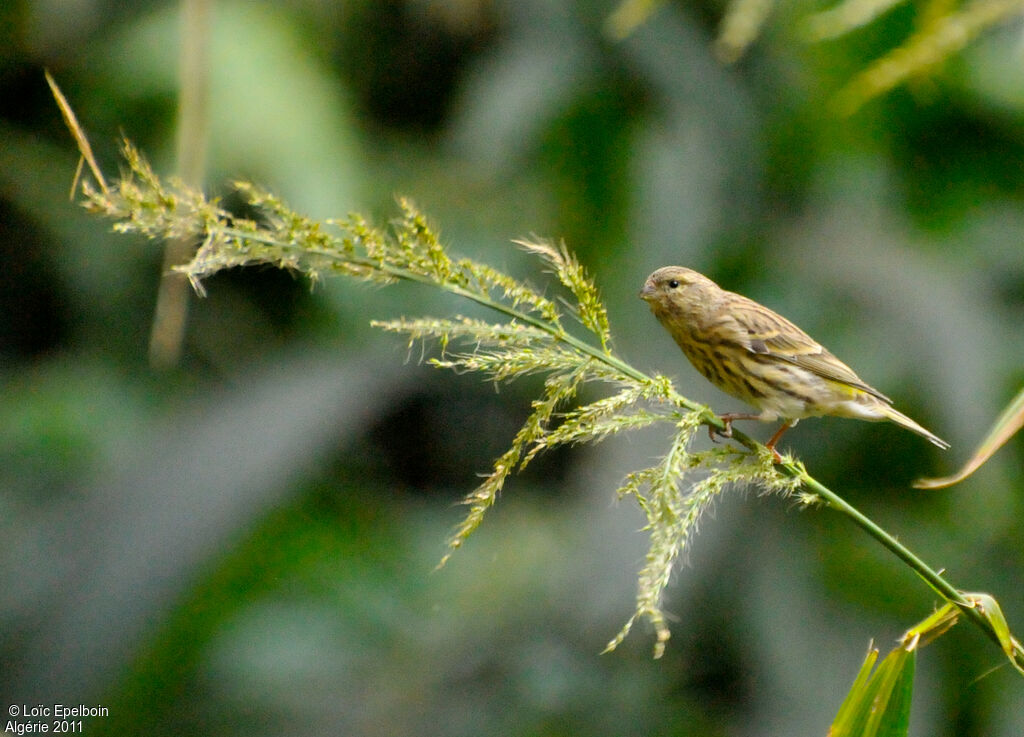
{"points": [[673, 283]]}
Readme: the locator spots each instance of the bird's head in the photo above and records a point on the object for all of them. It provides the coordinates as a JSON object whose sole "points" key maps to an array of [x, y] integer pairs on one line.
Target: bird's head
{"points": [[676, 290]]}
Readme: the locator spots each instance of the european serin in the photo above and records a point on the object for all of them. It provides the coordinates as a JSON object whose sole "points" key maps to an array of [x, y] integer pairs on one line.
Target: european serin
{"points": [[757, 355]]}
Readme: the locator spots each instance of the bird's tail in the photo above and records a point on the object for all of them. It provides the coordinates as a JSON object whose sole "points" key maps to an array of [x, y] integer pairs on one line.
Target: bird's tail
{"points": [[903, 421]]}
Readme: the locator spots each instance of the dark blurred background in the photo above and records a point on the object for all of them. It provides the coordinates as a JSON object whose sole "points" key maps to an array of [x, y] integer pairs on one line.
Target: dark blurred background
{"points": [[243, 543]]}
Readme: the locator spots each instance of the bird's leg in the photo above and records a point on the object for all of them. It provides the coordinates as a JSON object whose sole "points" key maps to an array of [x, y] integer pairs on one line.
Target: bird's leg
{"points": [[728, 419], [770, 445]]}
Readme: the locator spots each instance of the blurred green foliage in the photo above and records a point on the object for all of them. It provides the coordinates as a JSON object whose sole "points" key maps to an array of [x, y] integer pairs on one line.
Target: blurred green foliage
{"points": [[244, 544]]}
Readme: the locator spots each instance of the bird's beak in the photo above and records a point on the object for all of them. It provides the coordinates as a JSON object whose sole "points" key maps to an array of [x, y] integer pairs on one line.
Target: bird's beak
{"points": [[648, 291]]}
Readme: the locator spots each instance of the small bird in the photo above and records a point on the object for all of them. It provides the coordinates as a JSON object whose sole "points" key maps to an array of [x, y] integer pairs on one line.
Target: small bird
{"points": [[759, 356]]}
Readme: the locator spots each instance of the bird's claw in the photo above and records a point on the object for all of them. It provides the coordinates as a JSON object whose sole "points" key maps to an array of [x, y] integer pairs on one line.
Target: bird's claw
{"points": [[714, 433]]}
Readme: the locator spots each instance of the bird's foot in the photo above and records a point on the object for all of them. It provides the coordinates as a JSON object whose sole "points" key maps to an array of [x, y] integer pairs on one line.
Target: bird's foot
{"points": [[714, 433], [727, 419], [770, 445]]}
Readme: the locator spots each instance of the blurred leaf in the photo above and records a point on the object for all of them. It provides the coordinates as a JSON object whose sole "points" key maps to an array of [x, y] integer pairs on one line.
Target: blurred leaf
{"points": [[936, 41], [990, 71], [1006, 425], [740, 27], [514, 94], [275, 114], [629, 15], [694, 163], [845, 17], [173, 488]]}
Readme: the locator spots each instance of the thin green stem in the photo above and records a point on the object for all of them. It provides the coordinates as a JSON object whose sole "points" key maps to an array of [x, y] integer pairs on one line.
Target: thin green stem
{"points": [[940, 585]]}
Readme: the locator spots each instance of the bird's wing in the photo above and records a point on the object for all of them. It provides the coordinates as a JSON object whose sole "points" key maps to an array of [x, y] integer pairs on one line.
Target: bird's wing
{"points": [[762, 331]]}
